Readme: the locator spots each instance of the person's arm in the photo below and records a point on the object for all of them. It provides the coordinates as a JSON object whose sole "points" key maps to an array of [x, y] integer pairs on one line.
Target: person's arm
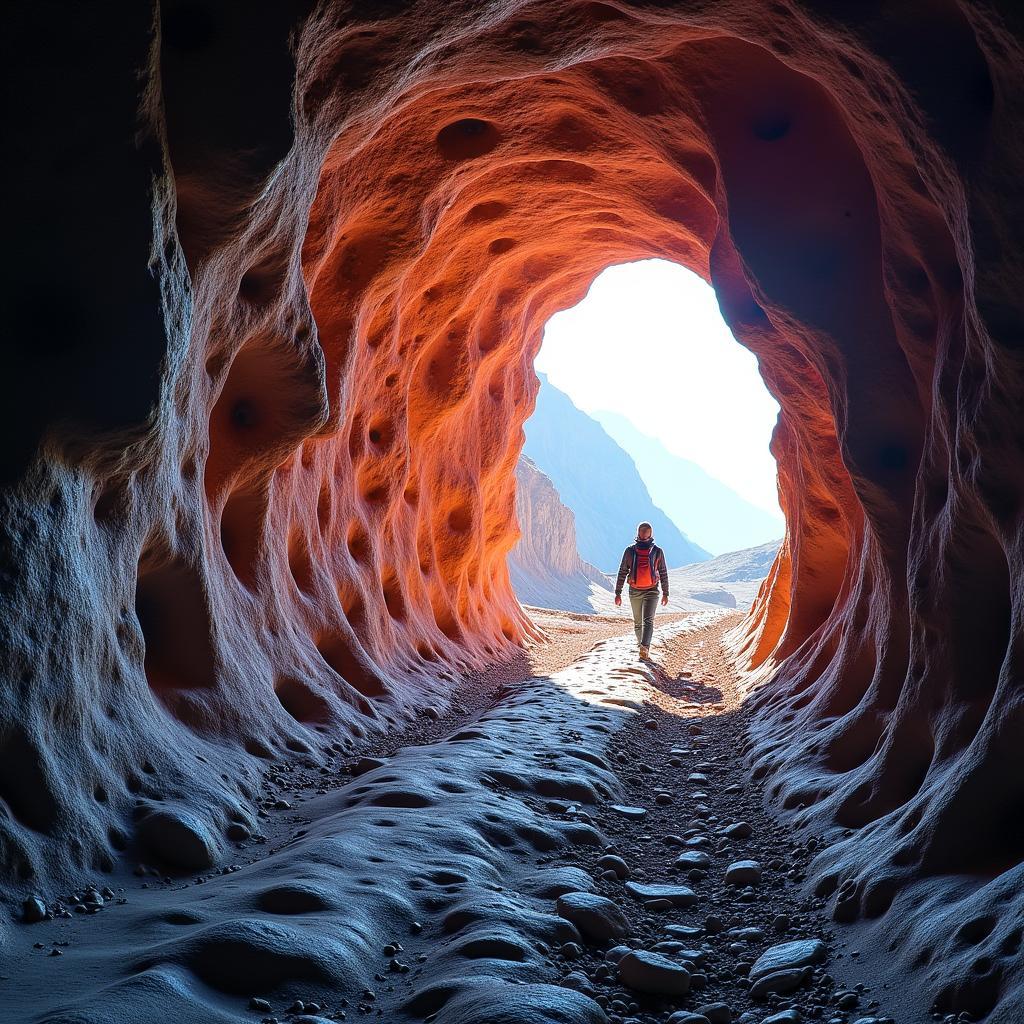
{"points": [[663, 575], [623, 572]]}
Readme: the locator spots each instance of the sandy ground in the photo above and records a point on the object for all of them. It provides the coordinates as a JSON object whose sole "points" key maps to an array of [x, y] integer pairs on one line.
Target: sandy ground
{"points": [[571, 634], [460, 872]]}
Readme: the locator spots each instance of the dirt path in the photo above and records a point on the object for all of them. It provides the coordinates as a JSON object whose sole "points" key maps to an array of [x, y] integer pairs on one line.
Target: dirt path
{"points": [[680, 759], [433, 876]]}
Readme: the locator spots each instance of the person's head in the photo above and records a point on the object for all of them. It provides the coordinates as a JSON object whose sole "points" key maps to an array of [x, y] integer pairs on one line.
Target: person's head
{"points": [[644, 531]]}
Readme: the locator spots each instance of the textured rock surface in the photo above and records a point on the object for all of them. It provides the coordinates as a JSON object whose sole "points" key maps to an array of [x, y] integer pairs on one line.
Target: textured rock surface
{"points": [[545, 566], [276, 279]]}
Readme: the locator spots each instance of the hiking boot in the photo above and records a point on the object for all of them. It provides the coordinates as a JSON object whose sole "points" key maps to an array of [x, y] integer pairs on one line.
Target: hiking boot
{"points": [[644, 652]]}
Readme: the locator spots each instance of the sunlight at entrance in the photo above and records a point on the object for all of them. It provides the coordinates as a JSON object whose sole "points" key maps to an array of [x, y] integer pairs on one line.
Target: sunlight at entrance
{"points": [[648, 356]]}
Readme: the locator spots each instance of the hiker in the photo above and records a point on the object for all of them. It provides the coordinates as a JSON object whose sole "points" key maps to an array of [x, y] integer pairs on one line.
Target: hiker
{"points": [[643, 564]]}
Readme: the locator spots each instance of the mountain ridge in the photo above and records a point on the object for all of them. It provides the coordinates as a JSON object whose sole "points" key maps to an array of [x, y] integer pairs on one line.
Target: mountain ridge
{"points": [[599, 481], [720, 519]]}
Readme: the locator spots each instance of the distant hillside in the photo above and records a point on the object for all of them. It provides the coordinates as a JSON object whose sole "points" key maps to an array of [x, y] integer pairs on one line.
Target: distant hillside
{"points": [[728, 581], [599, 482], [545, 567], [714, 514]]}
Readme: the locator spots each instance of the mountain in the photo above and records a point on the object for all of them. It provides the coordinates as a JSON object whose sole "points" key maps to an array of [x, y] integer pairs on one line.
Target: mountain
{"points": [[728, 581], [713, 513], [599, 482], [545, 567]]}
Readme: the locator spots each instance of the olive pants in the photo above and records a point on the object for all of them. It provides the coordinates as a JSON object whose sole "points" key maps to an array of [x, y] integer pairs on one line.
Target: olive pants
{"points": [[644, 604]]}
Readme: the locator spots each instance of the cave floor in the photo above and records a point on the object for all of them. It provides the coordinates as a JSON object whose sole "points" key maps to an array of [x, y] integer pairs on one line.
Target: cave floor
{"points": [[425, 886]]}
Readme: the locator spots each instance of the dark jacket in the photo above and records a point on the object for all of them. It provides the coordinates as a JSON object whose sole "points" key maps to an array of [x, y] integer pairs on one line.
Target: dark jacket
{"points": [[627, 568]]}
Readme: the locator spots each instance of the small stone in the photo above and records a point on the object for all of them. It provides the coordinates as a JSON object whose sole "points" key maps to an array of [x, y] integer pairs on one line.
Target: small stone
{"points": [[415, 927], [596, 918], [33, 910], [699, 777], [669, 946], [432, 713], [692, 859], [677, 895], [571, 951], [653, 973], [743, 872], [778, 982], [658, 906], [179, 837], [790, 1016], [685, 1017], [578, 981], [237, 832], [616, 953], [714, 925], [717, 1013], [367, 764], [663, 799], [297, 1007], [634, 813], [847, 1000], [683, 931], [259, 1004], [651, 724], [788, 955], [614, 864], [738, 830], [781, 923]]}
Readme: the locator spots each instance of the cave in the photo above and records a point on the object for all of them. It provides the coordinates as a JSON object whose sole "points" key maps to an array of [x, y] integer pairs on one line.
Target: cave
{"points": [[274, 291]]}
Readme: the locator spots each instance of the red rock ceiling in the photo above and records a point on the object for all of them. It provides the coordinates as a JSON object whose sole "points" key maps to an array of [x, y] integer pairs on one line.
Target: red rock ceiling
{"points": [[299, 317]]}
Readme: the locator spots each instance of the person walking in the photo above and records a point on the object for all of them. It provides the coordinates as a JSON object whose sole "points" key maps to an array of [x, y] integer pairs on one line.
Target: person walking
{"points": [[643, 565]]}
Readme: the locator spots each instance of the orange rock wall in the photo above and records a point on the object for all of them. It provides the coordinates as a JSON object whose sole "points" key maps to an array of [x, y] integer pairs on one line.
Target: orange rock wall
{"points": [[263, 416]]}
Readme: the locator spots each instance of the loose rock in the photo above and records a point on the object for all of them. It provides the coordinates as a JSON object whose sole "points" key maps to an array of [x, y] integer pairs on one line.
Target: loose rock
{"points": [[33, 910], [653, 973], [778, 982], [626, 811], [789, 955], [743, 872], [677, 895], [596, 918]]}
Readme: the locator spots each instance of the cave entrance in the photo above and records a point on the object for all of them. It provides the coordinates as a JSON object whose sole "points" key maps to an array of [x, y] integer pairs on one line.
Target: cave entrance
{"points": [[648, 410], [440, 245]]}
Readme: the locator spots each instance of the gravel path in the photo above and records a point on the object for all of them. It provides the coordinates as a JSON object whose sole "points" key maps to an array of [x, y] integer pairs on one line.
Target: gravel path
{"points": [[705, 828]]}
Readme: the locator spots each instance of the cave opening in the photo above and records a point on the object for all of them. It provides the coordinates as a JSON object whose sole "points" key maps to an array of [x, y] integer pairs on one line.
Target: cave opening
{"points": [[647, 356]]}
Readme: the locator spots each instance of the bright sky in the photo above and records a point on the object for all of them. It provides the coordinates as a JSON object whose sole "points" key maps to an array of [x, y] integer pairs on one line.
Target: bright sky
{"points": [[661, 319]]}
